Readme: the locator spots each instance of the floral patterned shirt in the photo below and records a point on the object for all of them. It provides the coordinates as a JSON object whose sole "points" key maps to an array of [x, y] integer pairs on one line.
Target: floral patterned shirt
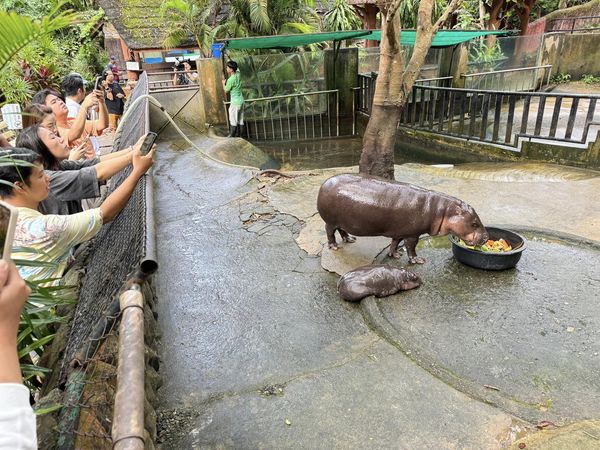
{"points": [[52, 239]]}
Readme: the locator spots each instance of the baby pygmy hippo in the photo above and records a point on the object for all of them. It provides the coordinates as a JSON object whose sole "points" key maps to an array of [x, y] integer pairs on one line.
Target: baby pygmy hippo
{"points": [[379, 280]]}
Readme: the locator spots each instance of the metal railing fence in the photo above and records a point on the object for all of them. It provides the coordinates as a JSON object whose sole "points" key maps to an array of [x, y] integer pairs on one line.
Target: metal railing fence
{"points": [[571, 24], [164, 80], [363, 94], [115, 254], [303, 116], [503, 118], [521, 79]]}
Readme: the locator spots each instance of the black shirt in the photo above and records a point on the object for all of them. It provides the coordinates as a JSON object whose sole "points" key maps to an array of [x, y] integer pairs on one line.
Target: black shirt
{"points": [[114, 106]]}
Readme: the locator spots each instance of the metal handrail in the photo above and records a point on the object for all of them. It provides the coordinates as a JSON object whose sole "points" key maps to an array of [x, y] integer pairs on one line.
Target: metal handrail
{"points": [[287, 124], [521, 69], [423, 80], [493, 116], [278, 97], [520, 94]]}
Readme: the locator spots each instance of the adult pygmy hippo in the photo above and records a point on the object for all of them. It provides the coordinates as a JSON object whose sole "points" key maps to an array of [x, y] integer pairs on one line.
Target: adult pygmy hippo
{"points": [[369, 206], [378, 280]]}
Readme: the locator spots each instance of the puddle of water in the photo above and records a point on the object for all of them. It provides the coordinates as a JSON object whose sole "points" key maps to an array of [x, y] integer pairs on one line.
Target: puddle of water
{"points": [[345, 152], [339, 152]]}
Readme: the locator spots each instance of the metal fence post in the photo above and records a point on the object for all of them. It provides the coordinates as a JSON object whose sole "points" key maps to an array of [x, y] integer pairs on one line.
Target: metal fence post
{"points": [[128, 417]]}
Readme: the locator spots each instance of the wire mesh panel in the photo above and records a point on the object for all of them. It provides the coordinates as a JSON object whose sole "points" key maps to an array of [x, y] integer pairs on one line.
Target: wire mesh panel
{"points": [[90, 354], [281, 73]]}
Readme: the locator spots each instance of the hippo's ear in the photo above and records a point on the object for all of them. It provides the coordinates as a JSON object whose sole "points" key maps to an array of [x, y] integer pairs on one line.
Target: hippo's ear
{"points": [[456, 210]]}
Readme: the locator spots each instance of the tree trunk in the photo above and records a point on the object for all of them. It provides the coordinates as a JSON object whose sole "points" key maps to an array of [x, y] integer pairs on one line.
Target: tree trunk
{"points": [[377, 156], [524, 13], [481, 15], [394, 84]]}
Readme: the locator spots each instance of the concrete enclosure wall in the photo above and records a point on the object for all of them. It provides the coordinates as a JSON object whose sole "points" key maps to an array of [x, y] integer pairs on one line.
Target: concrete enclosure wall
{"points": [[212, 95], [575, 54], [182, 104], [341, 72]]}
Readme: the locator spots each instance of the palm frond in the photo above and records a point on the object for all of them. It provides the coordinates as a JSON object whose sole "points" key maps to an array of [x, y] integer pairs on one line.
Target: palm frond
{"points": [[19, 31], [259, 15]]}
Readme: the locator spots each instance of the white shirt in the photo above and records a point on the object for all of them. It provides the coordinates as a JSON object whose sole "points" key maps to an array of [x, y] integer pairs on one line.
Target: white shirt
{"points": [[17, 421], [73, 108]]}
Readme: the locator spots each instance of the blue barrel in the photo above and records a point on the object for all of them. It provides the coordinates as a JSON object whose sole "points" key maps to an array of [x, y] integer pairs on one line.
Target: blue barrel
{"points": [[217, 49]]}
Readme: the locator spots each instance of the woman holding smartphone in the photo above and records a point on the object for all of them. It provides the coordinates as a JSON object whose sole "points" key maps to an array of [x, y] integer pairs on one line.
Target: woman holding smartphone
{"points": [[51, 238], [71, 181]]}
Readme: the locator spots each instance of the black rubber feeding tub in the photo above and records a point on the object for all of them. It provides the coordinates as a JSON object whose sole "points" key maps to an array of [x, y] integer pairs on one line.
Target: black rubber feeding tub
{"points": [[491, 260]]}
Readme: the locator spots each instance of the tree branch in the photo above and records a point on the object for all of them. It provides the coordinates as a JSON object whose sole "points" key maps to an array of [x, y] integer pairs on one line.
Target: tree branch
{"points": [[394, 8], [449, 10]]}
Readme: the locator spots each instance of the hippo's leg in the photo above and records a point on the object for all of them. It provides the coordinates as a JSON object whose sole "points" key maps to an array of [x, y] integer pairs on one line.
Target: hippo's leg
{"points": [[395, 250], [330, 231], [346, 237], [411, 246]]}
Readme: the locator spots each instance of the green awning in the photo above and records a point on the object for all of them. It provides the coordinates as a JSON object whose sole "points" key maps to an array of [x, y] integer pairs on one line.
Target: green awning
{"points": [[292, 40], [442, 38]]}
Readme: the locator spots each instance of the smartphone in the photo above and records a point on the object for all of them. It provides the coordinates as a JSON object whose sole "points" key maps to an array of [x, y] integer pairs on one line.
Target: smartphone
{"points": [[98, 83], [8, 222], [148, 142]]}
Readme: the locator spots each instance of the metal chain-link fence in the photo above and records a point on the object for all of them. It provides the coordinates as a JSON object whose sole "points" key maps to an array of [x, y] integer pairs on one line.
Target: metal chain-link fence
{"points": [[88, 369]]}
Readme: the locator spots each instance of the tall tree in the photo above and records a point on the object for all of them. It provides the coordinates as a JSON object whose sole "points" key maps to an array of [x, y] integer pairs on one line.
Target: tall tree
{"points": [[262, 17], [498, 11], [395, 82], [185, 17]]}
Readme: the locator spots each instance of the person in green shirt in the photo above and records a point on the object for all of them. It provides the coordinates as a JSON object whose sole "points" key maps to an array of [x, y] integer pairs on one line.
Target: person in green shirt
{"points": [[233, 86]]}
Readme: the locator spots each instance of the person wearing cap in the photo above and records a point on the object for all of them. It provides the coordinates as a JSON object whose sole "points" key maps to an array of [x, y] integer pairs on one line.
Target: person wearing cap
{"points": [[113, 67], [73, 87], [233, 86]]}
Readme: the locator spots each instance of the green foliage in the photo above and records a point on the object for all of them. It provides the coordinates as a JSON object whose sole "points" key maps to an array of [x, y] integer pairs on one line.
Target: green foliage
{"points": [[484, 54], [50, 47], [560, 78], [90, 60], [590, 79], [261, 17], [185, 18], [19, 31], [409, 8], [341, 17]]}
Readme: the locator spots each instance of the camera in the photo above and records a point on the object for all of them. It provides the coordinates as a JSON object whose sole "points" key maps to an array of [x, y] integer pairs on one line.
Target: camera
{"points": [[177, 65]]}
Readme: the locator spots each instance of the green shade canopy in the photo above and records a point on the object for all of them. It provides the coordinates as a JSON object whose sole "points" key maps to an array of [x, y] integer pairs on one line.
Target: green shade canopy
{"points": [[292, 40], [442, 38]]}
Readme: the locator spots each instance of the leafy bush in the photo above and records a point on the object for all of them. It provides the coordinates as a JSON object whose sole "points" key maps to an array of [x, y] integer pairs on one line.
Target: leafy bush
{"points": [[590, 79], [560, 78]]}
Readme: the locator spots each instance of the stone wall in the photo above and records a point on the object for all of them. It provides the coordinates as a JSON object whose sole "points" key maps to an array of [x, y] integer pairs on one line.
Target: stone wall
{"points": [[575, 54]]}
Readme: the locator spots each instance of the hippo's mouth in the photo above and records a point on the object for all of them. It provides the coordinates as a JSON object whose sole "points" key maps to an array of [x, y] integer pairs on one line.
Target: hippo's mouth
{"points": [[477, 241]]}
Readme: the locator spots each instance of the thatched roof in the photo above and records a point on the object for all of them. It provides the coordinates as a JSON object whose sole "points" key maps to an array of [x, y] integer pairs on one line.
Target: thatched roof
{"points": [[138, 22]]}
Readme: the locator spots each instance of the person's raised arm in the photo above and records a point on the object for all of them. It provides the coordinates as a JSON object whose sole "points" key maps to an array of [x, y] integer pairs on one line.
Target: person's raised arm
{"points": [[14, 293], [78, 125], [102, 122], [125, 151], [116, 201], [102, 112]]}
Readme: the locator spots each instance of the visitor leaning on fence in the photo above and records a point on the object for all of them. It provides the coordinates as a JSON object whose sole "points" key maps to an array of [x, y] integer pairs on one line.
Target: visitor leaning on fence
{"points": [[71, 181], [52, 238], [17, 421]]}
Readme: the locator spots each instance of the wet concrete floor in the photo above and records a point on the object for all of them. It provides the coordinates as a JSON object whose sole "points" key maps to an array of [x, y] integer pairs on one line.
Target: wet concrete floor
{"points": [[258, 351]]}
